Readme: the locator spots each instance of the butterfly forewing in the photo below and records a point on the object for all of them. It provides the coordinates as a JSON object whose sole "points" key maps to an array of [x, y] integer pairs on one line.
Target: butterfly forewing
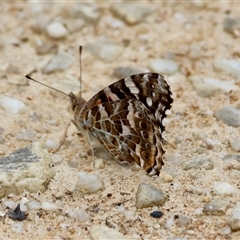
{"points": [[126, 117]]}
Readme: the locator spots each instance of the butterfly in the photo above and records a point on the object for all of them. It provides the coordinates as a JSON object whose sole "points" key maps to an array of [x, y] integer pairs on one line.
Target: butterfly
{"points": [[126, 117]]}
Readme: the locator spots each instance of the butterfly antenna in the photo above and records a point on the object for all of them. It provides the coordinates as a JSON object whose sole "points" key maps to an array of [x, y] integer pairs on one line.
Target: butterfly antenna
{"points": [[28, 77], [80, 69]]}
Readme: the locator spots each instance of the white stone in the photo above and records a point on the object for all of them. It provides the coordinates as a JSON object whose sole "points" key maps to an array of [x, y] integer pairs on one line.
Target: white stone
{"points": [[234, 218], [104, 233], [9, 203], [33, 205], [223, 188], [89, 183], [56, 30], [163, 66], [235, 143], [230, 66], [11, 105], [51, 144], [49, 206], [206, 87]]}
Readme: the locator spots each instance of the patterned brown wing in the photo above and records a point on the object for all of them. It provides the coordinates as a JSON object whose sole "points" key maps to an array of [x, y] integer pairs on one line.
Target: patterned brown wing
{"points": [[149, 88], [126, 128]]}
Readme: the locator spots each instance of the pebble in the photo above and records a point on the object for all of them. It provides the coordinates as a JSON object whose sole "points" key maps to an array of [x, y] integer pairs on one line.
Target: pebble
{"points": [[102, 232], [56, 30], [223, 188], [75, 26], [105, 50], [225, 231], [47, 206], [122, 72], [45, 48], [206, 87], [216, 207], [59, 62], [182, 221], [234, 218], [235, 144], [28, 134], [9, 203], [229, 115], [51, 144], [89, 183], [17, 227], [31, 168], [177, 238], [131, 12], [11, 105], [149, 196], [198, 163], [232, 25], [90, 13], [79, 214], [156, 214], [230, 66], [33, 205], [163, 66]]}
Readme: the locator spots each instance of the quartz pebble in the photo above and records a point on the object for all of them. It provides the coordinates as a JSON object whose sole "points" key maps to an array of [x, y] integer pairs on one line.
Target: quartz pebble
{"points": [[197, 162], [207, 87], [79, 213], [33, 205], [234, 218], [105, 50], [235, 144], [102, 232], [164, 66], [89, 183], [230, 66], [229, 115], [51, 144], [59, 62], [11, 105], [223, 188], [47, 206], [216, 207], [56, 30], [131, 12], [149, 196]]}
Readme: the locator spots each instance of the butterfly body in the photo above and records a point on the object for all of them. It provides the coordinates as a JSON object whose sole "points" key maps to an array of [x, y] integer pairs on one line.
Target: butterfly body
{"points": [[126, 118]]}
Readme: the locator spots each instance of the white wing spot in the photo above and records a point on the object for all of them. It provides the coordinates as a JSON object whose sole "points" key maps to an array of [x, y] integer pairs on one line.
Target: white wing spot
{"points": [[149, 101], [131, 85]]}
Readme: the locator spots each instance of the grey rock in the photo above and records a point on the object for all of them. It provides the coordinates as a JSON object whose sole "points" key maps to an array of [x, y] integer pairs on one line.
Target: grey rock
{"points": [[197, 162], [231, 25], [149, 196], [230, 66], [131, 12], [216, 207], [26, 168], [234, 218], [223, 188], [229, 115], [105, 50], [235, 144], [11, 105], [231, 157], [60, 62], [122, 72]]}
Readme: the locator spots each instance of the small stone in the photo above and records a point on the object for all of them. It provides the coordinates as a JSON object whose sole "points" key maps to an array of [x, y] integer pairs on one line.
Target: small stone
{"points": [[105, 50], [149, 196], [156, 214], [207, 87], [28, 134], [163, 66], [51, 144], [99, 163], [225, 231], [33, 205], [9, 203], [198, 163], [235, 144], [131, 12], [232, 25], [223, 188], [79, 213], [25, 169], [122, 72], [56, 30], [11, 105], [216, 207], [89, 183], [47, 206], [75, 26], [46, 48], [229, 115], [176, 238], [17, 227], [90, 13], [102, 232], [60, 62], [182, 221], [2, 215], [234, 218], [17, 214], [230, 66]]}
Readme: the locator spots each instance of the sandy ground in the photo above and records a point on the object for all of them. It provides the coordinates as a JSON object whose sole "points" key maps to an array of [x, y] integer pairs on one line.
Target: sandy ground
{"points": [[194, 42]]}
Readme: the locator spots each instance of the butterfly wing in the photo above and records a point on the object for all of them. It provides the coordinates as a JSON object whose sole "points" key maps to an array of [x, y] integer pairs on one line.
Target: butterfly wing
{"points": [[128, 130], [149, 88]]}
